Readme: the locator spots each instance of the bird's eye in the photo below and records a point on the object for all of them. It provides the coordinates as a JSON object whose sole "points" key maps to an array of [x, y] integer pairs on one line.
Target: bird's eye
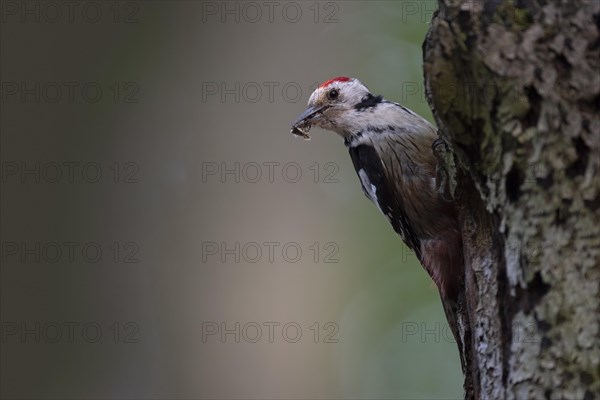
{"points": [[333, 94]]}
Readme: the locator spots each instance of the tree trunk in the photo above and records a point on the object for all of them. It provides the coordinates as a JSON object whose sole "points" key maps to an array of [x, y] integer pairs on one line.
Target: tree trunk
{"points": [[515, 90]]}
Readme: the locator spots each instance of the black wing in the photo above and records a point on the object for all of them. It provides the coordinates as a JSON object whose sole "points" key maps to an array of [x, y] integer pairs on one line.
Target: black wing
{"points": [[367, 163]]}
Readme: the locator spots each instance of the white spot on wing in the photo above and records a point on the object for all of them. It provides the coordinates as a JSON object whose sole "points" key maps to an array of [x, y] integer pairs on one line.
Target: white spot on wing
{"points": [[369, 188]]}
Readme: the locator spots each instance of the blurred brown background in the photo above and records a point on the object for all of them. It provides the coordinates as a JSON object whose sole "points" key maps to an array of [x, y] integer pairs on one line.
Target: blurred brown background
{"points": [[164, 236]]}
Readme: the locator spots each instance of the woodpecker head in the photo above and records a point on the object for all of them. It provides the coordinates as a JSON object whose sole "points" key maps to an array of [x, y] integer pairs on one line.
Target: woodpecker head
{"points": [[337, 105]]}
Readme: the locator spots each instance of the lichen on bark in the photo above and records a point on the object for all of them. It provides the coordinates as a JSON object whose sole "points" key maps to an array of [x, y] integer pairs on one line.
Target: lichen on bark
{"points": [[515, 89]]}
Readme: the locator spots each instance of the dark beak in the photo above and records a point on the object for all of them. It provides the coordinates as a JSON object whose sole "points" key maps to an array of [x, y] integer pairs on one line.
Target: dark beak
{"points": [[305, 121]]}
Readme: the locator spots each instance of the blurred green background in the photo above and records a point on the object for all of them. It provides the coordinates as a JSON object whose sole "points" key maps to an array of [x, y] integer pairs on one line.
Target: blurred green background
{"points": [[191, 136]]}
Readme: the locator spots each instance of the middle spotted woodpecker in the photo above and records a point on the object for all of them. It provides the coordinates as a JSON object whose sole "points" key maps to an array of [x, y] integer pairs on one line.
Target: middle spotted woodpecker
{"points": [[391, 149]]}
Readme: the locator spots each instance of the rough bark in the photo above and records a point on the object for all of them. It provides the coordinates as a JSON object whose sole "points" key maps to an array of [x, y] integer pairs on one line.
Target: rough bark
{"points": [[515, 90]]}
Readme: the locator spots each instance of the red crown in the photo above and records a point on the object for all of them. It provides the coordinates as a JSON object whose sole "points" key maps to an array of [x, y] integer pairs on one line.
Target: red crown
{"points": [[336, 79]]}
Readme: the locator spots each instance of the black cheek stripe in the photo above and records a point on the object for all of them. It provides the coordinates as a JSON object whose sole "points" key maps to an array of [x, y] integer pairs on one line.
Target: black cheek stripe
{"points": [[369, 101]]}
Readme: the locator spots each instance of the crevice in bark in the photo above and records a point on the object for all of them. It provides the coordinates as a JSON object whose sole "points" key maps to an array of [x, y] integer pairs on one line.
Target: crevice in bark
{"points": [[528, 298], [533, 115], [593, 205], [506, 314], [579, 166], [514, 180]]}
